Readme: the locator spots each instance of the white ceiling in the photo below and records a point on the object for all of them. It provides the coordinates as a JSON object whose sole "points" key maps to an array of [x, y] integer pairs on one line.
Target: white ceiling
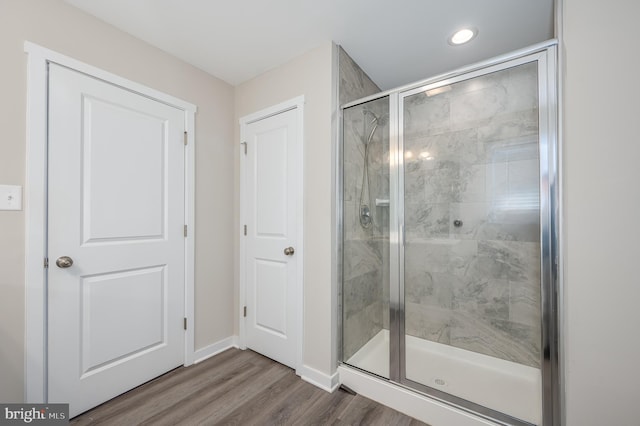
{"points": [[394, 41]]}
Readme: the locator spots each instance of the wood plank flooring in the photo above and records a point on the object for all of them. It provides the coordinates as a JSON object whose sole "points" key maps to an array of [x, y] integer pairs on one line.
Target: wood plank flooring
{"points": [[238, 388]]}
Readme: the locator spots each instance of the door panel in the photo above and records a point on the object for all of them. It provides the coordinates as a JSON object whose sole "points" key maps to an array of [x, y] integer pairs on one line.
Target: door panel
{"points": [[273, 174], [271, 296], [116, 207], [139, 324], [141, 172], [271, 182]]}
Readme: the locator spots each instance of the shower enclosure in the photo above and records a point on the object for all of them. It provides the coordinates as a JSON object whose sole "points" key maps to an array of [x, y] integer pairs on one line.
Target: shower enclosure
{"points": [[449, 237]]}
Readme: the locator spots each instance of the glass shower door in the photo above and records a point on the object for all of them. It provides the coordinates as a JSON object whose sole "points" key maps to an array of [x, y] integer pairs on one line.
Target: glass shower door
{"points": [[470, 188], [365, 233]]}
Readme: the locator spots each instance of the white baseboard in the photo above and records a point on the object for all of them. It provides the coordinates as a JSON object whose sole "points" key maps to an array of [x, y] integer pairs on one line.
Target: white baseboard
{"points": [[215, 348], [410, 403], [318, 378], [308, 374]]}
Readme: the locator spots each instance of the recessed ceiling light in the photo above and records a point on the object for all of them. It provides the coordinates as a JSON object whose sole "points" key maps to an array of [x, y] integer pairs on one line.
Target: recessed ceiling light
{"points": [[462, 36]]}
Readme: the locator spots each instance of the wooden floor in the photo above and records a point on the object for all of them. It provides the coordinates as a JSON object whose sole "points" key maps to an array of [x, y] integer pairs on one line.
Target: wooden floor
{"points": [[238, 388]]}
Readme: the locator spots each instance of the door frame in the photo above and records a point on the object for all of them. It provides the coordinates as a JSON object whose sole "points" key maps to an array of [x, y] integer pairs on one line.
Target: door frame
{"points": [[297, 104], [36, 374]]}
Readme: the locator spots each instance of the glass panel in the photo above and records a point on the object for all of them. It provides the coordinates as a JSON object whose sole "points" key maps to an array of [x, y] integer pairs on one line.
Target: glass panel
{"points": [[365, 290], [472, 240]]}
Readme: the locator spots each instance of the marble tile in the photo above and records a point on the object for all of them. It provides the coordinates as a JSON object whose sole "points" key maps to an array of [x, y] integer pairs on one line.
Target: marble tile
{"points": [[524, 302], [470, 186], [414, 182], [524, 186], [360, 327], [361, 257], [514, 229], [418, 282], [473, 217], [426, 220], [496, 182], [506, 260], [497, 338], [361, 291], [513, 137], [428, 322], [513, 201], [357, 186], [440, 255], [486, 298], [425, 116], [354, 82], [444, 181], [430, 288], [460, 146], [441, 183], [461, 255], [476, 84], [522, 86], [477, 105], [353, 231]]}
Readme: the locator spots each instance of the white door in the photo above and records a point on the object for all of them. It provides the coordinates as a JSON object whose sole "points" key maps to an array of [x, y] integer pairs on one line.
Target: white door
{"points": [[116, 209], [273, 176]]}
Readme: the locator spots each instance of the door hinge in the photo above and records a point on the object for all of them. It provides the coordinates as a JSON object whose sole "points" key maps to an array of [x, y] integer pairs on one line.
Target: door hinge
{"points": [[245, 230], [185, 137], [185, 230], [46, 262], [244, 144], [184, 323], [245, 311]]}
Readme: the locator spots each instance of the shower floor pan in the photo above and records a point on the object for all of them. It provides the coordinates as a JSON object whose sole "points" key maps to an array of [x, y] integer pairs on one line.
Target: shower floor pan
{"points": [[498, 384]]}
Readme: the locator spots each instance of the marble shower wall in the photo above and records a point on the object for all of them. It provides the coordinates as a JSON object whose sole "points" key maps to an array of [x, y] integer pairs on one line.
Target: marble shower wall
{"points": [[365, 269], [471, 155], [354, 82]]}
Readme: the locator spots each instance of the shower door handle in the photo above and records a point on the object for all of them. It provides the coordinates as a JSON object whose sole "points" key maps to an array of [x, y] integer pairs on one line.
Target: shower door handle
{"points": [[289, 251]]}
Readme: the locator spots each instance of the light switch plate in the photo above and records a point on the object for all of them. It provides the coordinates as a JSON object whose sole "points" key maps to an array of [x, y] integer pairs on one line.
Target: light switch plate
{"points": [[10, 197]]}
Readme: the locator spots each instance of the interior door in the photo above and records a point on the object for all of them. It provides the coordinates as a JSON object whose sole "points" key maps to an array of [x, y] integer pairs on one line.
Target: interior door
{"points": [[115, 239], [273, 174]]}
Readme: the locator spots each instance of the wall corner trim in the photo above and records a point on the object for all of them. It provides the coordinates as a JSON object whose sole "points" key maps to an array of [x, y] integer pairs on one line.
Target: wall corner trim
{"points": [[214, 349], [327, 382]]}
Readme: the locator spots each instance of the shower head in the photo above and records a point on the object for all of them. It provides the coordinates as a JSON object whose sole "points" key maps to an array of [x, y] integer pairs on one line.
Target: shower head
{"points": [[373, 129], [366, 112], [376, 121]]}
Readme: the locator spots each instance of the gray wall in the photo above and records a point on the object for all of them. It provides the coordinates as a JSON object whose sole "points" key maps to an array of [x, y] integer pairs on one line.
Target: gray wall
{"points": [[602, 207]]}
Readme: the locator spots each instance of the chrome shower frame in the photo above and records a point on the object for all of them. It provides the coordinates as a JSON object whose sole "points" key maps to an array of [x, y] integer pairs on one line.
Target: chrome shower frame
{"points": [[545, 54]]}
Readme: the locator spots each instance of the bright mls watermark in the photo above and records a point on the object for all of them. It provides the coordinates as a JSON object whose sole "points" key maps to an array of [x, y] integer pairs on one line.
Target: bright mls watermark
{"points": [[36, 414]]}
